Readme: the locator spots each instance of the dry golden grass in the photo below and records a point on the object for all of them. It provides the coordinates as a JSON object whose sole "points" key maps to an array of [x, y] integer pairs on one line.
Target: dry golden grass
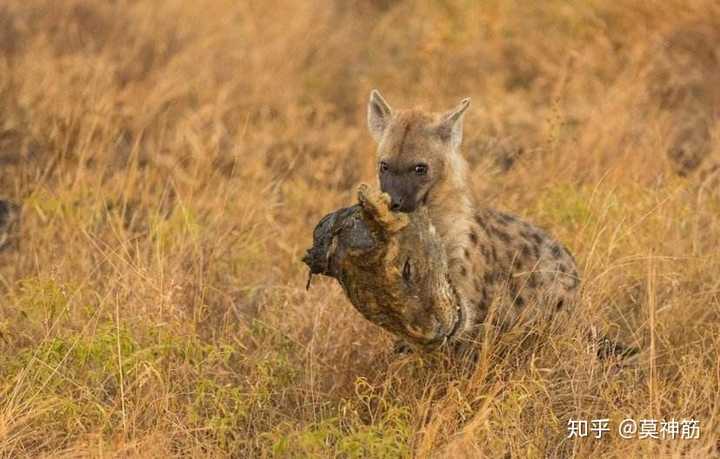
{"points": [[172, 157]]}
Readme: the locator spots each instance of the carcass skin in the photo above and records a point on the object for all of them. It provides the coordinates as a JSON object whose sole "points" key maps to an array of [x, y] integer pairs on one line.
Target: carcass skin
{"points": [[392, 267]]}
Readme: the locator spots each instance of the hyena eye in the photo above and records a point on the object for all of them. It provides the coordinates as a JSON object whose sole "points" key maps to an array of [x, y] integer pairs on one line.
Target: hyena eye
{"points": [[383, 166], [421, 169], [406, 273]]}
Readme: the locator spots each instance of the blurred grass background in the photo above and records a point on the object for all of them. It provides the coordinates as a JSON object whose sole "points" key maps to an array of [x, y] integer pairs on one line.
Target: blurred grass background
{"points": [[172, 157]]}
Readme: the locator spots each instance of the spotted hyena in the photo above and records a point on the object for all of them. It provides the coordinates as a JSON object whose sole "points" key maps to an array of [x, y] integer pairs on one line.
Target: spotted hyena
{"points": [[499, 264]]}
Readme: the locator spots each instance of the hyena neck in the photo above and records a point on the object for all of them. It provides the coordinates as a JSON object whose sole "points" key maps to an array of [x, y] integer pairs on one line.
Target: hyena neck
{"points": [[452, 212], [452, 209], [452, 218]]}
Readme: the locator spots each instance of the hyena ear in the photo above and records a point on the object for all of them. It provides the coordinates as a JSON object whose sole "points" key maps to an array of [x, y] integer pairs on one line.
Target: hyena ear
{"points": [[450, 126], [378, 116]]}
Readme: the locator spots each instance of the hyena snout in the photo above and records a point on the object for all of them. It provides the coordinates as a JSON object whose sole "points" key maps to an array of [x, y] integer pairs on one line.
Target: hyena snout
{"points": [[403, 196], [397, 204], [404, 202]]}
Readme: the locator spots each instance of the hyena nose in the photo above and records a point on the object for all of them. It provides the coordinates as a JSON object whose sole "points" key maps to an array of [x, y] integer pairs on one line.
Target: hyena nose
{"points": [[396, 204]]}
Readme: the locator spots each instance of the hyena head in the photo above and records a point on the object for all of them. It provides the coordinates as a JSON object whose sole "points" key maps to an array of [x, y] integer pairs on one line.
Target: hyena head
{"points": [[417, 151]]}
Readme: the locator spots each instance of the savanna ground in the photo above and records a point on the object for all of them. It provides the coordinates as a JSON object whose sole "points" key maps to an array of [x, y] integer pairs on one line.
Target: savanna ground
{"points": [[172, 157]]}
